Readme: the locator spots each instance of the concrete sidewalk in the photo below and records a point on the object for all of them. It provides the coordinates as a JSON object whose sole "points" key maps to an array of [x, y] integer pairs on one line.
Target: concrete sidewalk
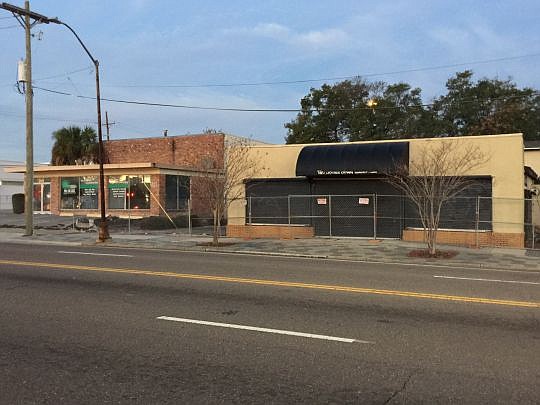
{"points": [[361, 250]]}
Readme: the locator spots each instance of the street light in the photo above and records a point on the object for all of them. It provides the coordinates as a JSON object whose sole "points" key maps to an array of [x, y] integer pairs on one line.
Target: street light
{"points": [[372, 103], [103, 230]]}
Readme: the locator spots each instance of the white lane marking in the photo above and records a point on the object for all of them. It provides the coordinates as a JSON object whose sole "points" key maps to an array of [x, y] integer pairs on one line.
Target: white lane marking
{"points": [[92, 254], [490, 280], [265, 330]]}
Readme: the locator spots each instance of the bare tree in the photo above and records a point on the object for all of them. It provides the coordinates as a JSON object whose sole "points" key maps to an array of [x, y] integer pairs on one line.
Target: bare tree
{"points": [[222, 184], [437, 174]]}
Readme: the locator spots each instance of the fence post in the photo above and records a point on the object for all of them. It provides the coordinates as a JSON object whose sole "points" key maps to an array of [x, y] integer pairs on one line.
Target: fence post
{"points": [[477, 222], [533, 236], [330, 215], [249, 210], [374, 216], [289, 209], [189, 215]]}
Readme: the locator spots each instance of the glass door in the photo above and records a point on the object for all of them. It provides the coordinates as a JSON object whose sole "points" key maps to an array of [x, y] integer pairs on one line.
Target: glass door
{"points": [[46, 198], [42, 198]]}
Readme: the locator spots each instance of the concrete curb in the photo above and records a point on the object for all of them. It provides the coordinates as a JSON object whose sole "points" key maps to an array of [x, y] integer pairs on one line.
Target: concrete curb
{"points": [[469, 265], [43, 242], [193, 249]]}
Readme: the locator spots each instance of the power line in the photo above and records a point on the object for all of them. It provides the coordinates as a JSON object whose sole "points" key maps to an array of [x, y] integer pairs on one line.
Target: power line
{"points": [[191, 107], [48, 118], [86, 69], [9, 26], [329, 79], [335, 78]]}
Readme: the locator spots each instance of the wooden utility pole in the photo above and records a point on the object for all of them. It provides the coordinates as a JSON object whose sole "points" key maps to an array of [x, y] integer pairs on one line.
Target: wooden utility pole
{"points": [[103, 234], [108, 124], [29, 175]]}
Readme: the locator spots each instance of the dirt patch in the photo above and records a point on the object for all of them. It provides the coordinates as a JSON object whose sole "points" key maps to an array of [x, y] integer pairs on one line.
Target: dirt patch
{"points": [[440, 254], [220, 244]]}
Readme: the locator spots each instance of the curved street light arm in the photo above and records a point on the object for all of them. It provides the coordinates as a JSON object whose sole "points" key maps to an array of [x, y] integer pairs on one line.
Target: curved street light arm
{"points": [[57, 21]]}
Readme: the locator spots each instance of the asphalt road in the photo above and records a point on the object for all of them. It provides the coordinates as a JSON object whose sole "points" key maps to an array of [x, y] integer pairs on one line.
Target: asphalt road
{"points": [[98, 325]]}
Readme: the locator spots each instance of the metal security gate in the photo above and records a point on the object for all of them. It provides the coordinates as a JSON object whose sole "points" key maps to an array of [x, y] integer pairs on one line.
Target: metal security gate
{"points": [[368, 208], [360, 215], [357, 215]]}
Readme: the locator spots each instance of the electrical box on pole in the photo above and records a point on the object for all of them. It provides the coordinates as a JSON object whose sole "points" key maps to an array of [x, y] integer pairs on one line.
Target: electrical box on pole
{"points": [[21, 72]]}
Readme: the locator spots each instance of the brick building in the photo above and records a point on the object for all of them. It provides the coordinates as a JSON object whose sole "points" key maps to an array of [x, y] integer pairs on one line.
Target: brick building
{"points": [[143, 177]]}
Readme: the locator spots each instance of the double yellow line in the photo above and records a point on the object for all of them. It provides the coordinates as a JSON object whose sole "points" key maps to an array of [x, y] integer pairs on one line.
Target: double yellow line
{"points": [[324, 287]]}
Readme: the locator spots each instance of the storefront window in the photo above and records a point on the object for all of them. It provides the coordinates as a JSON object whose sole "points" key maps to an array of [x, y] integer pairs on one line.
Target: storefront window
{"points": [[69, 193], [139, 194], [88, 192], [176, 192], [129, 192], [118, 188], [79, 193]]}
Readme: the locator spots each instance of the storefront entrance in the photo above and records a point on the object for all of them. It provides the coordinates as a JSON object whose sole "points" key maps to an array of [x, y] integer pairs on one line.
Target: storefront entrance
{"points": [[42, 198]]}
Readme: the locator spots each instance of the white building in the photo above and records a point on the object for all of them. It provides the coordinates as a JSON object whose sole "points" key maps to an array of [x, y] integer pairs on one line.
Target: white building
{"points": [[10, 183]]}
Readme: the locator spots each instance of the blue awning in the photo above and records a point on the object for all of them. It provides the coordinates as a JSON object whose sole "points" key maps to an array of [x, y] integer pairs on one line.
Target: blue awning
{"points": [[354, 159]]}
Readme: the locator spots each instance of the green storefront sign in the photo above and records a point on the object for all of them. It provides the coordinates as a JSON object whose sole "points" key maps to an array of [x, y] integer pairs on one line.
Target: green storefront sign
{"points": [[118, 185]]}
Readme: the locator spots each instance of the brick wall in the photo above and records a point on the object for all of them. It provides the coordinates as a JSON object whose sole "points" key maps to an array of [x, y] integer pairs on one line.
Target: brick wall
{"points": [[269, 231], [470, 239], [188, 151], [157, 186], [55, 195]]}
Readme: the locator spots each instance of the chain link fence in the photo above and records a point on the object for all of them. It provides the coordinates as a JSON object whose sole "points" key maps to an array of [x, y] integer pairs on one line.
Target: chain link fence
{"points": [[387, 216], [356, 215]]}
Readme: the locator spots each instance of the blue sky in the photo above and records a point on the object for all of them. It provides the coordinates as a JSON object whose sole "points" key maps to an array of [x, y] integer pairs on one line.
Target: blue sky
{"points": [[154, 43]]}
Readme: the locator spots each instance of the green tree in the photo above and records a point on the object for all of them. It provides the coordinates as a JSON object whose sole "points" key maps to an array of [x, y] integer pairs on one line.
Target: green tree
{"points": [[487, 106], [340, 112], [74, 145]]}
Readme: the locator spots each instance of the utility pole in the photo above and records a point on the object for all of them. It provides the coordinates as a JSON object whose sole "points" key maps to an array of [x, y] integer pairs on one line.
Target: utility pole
{"points": [[103, 233], [29, 174], [18, 13], [108, 124]]}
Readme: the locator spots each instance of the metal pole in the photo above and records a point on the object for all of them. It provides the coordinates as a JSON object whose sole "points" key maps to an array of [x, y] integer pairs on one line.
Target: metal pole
{"points": [[289, 208], [477, 225], [103, 230], [533, 236], [330, 215], [374, 216], [189, 215], [103, 234], [249, 210], [29, 174]]}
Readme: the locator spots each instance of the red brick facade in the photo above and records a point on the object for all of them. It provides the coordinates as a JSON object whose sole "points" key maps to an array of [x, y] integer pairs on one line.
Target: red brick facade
{"points": [[469, 238], [270, 231], [188, 151]]}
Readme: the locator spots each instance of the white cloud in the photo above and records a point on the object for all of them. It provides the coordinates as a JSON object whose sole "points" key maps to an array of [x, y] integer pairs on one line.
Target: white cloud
{"points": [[272, 30], [322, 39], [318, 39]]}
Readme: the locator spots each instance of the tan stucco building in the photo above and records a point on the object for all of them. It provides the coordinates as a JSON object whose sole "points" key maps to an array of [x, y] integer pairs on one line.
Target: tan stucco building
{"points": [[323, 172]]}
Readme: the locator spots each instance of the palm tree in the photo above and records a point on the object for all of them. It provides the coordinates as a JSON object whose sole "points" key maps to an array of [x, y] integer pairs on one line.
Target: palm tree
{"points": [[73, 145]]}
